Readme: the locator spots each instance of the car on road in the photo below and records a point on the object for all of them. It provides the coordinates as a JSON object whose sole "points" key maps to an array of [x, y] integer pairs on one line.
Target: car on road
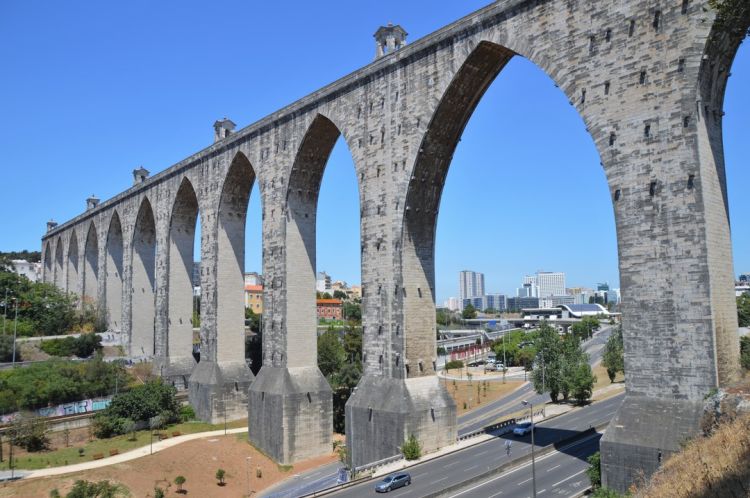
{"points": [[393, 482], [523, 428]]}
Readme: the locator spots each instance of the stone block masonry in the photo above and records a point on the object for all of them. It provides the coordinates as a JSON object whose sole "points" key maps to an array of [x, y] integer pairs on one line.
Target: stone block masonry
{"points": [[647, 79]]}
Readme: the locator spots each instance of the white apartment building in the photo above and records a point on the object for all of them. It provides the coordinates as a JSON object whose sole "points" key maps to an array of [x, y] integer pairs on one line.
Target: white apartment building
{"points": [[470, 284]]}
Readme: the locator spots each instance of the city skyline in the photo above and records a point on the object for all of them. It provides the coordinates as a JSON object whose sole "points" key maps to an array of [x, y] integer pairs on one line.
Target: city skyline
{"points": [[559, 217]]}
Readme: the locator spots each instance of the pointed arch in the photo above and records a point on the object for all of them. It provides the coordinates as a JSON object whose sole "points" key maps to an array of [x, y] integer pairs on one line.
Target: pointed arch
{"points": [[180, 289], [230, 244], [301, 213], [48, 269], [72, 268], [143, 306], [59, 278], [423, 199], [113, 273], [91, 265]]}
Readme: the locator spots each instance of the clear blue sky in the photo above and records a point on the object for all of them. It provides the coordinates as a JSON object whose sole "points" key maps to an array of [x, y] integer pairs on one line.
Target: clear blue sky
{"points": [[91, 90]]}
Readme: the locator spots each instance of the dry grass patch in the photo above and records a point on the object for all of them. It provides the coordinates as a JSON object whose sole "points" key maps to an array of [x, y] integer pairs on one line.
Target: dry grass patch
{"points": [[469, 395], [715, 466]]}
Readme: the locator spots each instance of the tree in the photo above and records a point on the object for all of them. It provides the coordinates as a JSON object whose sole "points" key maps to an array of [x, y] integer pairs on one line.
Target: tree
{"points": [[101, 489], [613, 357], [326, 295], [352, 311], [745, 352], [220, 474], [29, 432], [159, 493], [595, 470], [6, 349], [743, 309], [442, 317], [179, 481], [331, 354], [582, 383], [469, 312], [338, 294], [142, 403], [411, 448]]}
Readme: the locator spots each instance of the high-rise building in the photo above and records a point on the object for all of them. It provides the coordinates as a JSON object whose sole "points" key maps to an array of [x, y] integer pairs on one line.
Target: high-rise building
{"points": [[550, 283], [323, 282], [470, 284]]}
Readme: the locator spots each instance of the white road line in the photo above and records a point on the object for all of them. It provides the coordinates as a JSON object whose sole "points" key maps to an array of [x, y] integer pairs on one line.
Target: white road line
{"points": [[553, 468], [451, 464], [496, 494], [524, 482], [483, 452], [568, 478], [442, 479], [472, 467], [542, 491], [504, 474]]}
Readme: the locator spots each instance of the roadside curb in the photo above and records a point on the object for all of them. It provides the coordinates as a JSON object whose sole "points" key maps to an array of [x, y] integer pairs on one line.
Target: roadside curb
{"points": [[544, 451], [520, 461]]}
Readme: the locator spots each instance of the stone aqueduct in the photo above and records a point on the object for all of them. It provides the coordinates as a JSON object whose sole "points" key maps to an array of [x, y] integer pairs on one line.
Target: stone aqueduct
{"points": [[648, 79]]}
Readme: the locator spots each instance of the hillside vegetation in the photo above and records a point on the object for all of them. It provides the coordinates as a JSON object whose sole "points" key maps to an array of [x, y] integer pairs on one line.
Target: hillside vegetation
{"points": [[715, 466]]}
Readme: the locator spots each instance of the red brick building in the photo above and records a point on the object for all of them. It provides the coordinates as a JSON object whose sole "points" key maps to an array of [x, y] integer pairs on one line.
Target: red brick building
{"points": [[330, 309]]}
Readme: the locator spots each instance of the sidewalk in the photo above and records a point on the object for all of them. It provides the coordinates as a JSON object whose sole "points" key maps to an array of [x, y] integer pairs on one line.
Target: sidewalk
{"points": [[124, 457]]}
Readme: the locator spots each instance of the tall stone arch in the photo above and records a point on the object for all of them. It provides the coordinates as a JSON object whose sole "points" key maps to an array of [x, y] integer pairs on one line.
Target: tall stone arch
{"points": [[143, 290], [113, 273], [220, 382], [72, 284], [49, 273], [91, 266], [176, 355], [59, 277], [290, 391]]}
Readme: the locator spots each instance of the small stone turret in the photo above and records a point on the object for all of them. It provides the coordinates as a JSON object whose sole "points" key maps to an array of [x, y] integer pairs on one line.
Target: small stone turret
{"points": [[51, 224], [223, 128], [140, 175], [92, 202], [389, 39]]}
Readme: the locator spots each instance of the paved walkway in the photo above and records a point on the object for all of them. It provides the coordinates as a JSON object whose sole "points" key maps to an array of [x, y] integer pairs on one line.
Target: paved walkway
{"points": [[124, 457]]}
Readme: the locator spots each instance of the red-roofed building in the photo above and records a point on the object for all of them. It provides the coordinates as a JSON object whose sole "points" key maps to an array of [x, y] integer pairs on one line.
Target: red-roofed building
{"points": [[254, 298], [330, 309]]}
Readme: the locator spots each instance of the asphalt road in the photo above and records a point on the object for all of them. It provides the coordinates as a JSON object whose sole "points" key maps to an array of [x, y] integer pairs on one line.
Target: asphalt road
{"points": [[435, 475], [325, 476]]}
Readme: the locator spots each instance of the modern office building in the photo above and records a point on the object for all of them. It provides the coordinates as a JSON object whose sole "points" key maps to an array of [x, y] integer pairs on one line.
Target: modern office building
{"points": [[550, 283], [470, 284], [519, 303]]}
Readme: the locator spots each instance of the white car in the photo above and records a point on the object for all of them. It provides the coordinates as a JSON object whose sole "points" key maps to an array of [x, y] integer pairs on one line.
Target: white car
{"points": [[523, 428]]}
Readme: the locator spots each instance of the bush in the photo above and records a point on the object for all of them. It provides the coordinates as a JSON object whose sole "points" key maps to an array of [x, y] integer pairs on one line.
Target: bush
{"points": [[6, 349], [187, 413], [147, 402], [57, 381], [454, 364], [82, 346], [101, 489], [29, 432], [594, 471], [411, 448], [220, 474]]}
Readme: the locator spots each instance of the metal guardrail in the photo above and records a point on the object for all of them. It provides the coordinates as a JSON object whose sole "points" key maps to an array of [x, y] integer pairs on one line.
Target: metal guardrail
{"points": [[375, 465]]}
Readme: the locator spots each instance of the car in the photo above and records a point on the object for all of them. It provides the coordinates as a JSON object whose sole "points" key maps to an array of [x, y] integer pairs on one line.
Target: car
{"points": [[393, 482], [523, 428]]}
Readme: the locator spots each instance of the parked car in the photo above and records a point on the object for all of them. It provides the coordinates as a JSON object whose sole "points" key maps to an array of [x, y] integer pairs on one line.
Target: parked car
{"points": [[393, 482], [523, 428]]}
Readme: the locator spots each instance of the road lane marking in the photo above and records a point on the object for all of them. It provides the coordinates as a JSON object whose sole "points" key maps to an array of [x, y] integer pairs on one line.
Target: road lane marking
{"points": [[505, 474], [472, 467], [542, 491], [524, 482], [442, 479], [568, 478], [451, 464], [496, 494], [553, 468]]}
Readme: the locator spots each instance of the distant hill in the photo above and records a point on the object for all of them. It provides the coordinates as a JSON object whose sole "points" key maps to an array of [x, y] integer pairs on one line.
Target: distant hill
{"points": [[30, 256]]}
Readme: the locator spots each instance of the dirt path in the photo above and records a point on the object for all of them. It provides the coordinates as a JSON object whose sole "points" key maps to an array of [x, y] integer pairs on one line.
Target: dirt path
{"points": [[197, 459]]}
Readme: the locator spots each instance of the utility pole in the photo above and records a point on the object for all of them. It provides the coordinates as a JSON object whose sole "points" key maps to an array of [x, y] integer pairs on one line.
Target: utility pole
{"points": [[533, 463]]}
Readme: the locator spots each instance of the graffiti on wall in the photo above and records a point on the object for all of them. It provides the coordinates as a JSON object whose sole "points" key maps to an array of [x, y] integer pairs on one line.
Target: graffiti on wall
{"points": [[74, 408]]}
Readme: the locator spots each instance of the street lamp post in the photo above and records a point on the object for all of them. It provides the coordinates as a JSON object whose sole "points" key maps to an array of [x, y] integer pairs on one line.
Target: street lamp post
{"points": [[248, 459], [15, 331], [533, 465], [5, 309]]}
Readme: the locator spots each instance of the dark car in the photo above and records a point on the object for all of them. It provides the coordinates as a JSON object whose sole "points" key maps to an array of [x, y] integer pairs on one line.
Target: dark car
{"points": [[393, 482]]}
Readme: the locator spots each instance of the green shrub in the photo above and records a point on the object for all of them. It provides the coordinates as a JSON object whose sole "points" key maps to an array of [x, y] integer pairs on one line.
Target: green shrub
{"points": [[187, 413], [411, 448], [101, 489], [57, 381], [454, 364], [6, 349], [142, 403], [82, 346]]}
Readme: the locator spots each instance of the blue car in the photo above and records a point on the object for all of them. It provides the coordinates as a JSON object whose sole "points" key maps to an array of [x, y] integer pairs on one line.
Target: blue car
{"points": [[393, 482]]}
